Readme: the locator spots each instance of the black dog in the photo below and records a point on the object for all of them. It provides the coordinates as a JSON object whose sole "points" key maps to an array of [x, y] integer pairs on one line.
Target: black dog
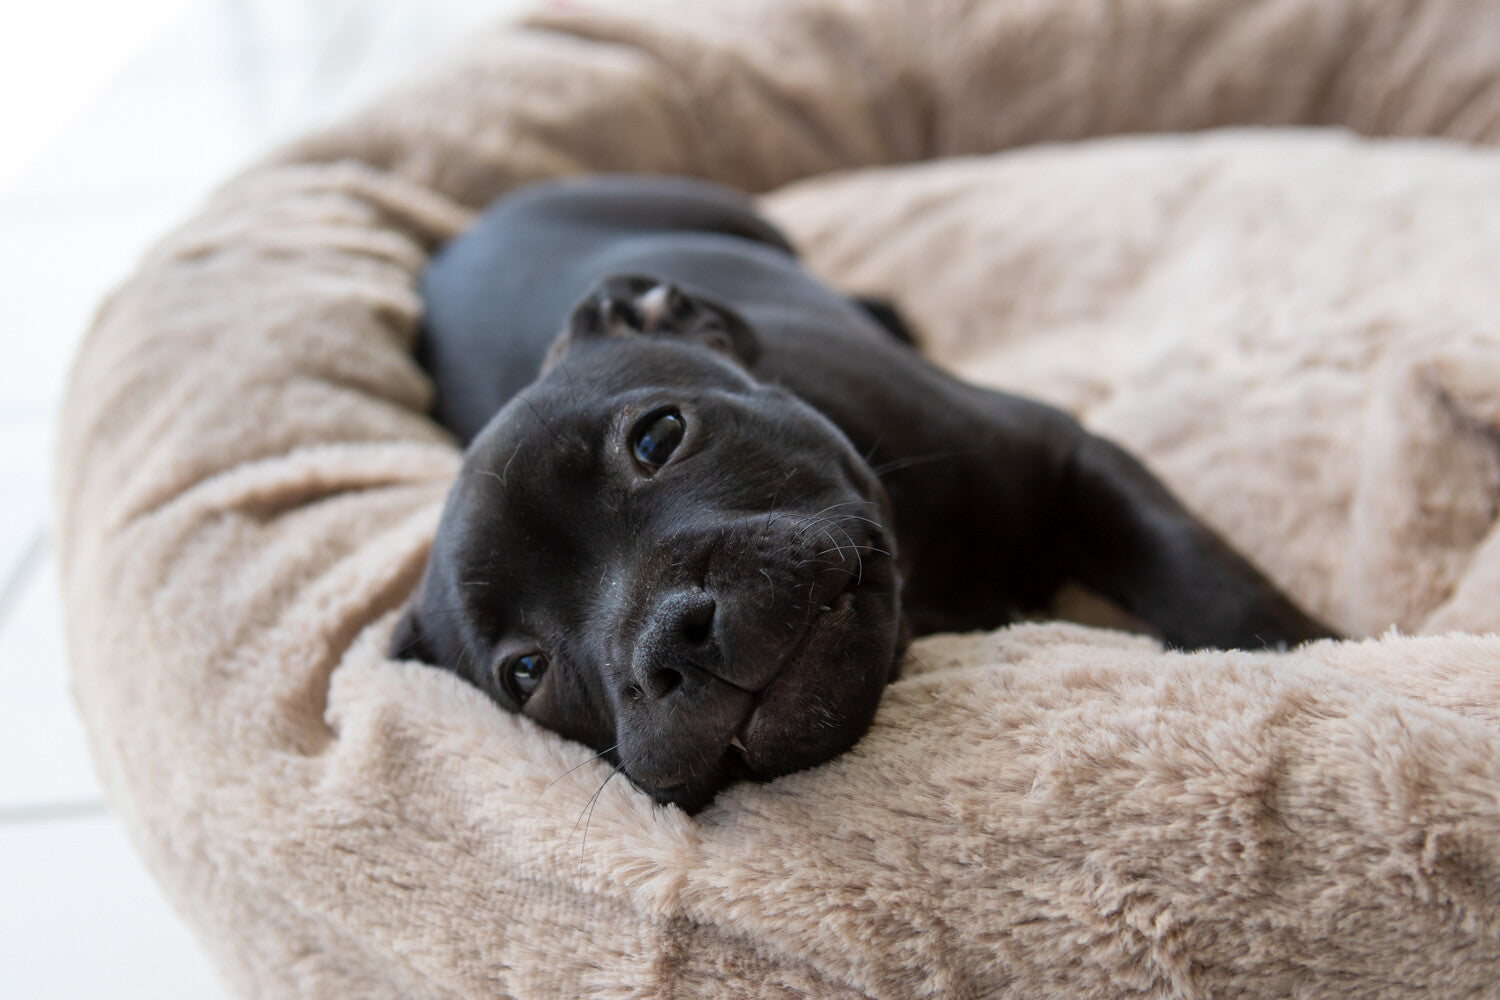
{"points": [[701, 539]]}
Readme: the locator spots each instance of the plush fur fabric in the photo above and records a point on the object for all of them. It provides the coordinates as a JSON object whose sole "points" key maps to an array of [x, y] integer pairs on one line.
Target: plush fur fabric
{"points": [[1296, 329]]}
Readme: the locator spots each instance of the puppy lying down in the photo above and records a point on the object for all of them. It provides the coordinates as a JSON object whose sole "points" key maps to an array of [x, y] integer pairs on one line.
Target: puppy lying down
{"points": [[706, 501]]}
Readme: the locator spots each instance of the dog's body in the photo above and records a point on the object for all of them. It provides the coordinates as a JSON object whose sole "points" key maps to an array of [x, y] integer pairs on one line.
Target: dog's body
{"points": [[699, 540]]}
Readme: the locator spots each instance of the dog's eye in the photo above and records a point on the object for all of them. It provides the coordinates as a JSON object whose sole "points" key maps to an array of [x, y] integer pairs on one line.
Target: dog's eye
{"points": [[521, 674], [657, 438]]}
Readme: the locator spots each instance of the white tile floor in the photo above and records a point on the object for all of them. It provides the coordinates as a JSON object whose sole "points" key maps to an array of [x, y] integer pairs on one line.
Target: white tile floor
{"points": [[160, 105]]}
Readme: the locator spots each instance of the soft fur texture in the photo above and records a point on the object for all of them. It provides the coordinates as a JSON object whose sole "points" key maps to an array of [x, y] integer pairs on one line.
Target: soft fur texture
{"points": [[1297, 330]]}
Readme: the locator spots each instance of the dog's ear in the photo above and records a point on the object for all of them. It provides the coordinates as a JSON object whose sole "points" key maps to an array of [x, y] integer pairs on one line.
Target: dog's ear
{"points": [[641, 306], [408, 642]]}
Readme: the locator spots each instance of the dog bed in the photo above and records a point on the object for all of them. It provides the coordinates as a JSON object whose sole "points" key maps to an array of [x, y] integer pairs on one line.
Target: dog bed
{"points": [[1296, 328]]}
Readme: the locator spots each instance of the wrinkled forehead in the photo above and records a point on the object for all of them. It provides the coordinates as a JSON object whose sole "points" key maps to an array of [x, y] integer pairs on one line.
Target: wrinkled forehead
{"points": [[552, 432], [605, 366], [584, 392]]}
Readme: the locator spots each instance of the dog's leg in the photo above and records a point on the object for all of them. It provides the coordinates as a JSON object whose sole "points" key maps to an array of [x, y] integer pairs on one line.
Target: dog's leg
{"points": [[1129, 539]]}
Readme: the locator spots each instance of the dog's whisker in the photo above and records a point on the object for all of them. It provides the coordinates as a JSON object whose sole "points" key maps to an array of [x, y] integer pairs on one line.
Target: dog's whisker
{"points": [[467, 657], [916, 659], [505, 472], [835, 541], [545, 423], [597, 756], [587, 816], [845, 503], [895, 465], [818, 560], [772, 516], [859, 560]]}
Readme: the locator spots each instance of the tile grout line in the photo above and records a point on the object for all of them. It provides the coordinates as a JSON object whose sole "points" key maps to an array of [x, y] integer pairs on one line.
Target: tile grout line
{"points": [[26, 568], [46, 812]]}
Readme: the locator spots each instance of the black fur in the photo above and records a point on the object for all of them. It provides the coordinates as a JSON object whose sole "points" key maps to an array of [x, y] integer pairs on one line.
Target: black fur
{"points": [[736, 609]]}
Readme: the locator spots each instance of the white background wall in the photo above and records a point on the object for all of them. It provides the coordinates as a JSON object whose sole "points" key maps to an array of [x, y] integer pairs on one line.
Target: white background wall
{"points": [[116, 117]]}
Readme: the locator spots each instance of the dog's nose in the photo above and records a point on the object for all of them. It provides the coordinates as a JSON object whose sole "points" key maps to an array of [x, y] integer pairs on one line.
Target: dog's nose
{"points": [[678, 635]]}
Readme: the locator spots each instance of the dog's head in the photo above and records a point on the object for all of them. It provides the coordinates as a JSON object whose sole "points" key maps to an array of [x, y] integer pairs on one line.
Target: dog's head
{"points": [[653, 553]]}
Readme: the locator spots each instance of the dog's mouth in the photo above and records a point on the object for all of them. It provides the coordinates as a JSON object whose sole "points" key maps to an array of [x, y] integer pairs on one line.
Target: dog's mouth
{"points": [[833, 615], [786, 712]]}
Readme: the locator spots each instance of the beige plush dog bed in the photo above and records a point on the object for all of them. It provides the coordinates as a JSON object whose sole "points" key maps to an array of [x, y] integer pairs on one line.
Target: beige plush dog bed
{"points": [[1300, 330]]}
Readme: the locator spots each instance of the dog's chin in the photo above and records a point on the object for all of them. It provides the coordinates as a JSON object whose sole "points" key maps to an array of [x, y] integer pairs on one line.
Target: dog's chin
{"points": [[819, 705]]}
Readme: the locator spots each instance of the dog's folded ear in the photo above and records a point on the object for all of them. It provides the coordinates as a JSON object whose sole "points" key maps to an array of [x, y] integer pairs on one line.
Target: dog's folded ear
{"points": [[633, 305]]}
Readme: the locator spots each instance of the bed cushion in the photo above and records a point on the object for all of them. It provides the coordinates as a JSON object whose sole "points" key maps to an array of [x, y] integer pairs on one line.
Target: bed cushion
{"points": [[1295, 327]]}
